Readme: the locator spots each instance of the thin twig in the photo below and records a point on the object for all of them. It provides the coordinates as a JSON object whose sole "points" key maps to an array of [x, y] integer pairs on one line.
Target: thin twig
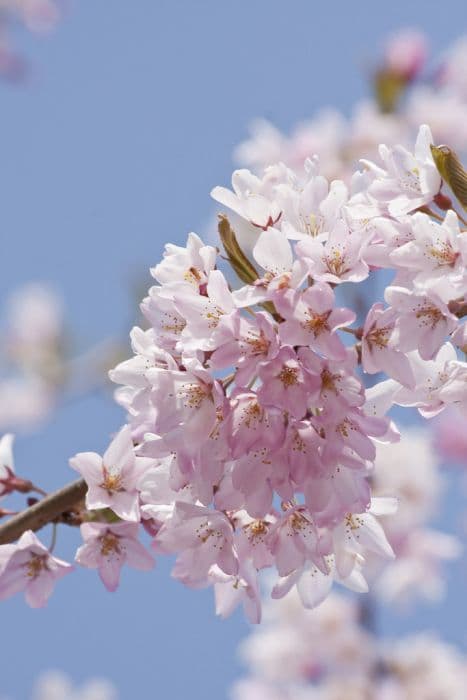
{"points": [[53, 541]]}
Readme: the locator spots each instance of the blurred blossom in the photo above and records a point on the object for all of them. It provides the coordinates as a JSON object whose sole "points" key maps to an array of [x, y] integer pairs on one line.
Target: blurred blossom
{"points": [[450, 436], [32, 355], [410, 471], [56, 685], [34, 331], [39, 366], [24, 403], [324, 136], [353, 663], [35, 314], [36, 16], [12, 65], [296, 644], [425, 667], [445, 111], [417, 571], [453, 73], [339, 141]]}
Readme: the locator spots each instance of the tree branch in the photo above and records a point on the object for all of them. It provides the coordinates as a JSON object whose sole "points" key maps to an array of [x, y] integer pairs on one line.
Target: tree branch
{"points": [[44, 511]]}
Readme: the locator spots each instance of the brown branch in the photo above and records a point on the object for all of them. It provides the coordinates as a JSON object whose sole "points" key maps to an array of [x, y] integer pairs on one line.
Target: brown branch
{"points": [[45, 511]]}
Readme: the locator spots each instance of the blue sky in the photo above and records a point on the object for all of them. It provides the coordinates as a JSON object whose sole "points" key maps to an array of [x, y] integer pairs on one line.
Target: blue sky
{"points": [[111, 149]]}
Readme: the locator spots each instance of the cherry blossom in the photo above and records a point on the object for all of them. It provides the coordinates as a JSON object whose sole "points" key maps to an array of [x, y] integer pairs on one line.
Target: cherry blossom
{"points": [[312, 321], [108, 547], [251, 196], [28, 566], [112, 479]]}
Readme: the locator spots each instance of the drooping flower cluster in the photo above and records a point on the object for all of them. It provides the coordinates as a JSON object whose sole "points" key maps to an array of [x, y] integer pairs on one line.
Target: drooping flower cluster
{"points": [[252, 434], [327, 654], [250, 402]]}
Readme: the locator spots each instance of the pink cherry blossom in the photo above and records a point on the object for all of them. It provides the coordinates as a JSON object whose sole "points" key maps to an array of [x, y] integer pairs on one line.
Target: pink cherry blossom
{"points": [[206, 538], [336, 260], [242, 343], [410, 180], [252, 198], [230, 590], [312, 321], [379, 351], [423, 320], [108, 547], [112, 479], [186, 267], [286, 383], [28, 566]]}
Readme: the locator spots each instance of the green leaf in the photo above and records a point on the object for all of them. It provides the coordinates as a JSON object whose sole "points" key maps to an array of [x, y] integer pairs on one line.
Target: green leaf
{"points": [[237, 258], [389, 88], [452, 171]]}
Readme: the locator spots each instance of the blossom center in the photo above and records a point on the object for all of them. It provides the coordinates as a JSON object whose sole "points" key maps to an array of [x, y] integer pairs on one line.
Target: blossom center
{"points": [[213, 315], [378, 337], [259, 345], [316, 323], [36, 565], [256, 531], [194, 395], [335, 263], [311, 224], [110, 544], [204, 532], [252, 414], [112, 481], [288, 376], [429, 316], [174, 324], [352, 522], [443, 253], [193, 275], [328, 382]]}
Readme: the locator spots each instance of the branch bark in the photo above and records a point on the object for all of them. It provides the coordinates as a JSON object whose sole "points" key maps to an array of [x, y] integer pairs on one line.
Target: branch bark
{"points": [[44, 511]]}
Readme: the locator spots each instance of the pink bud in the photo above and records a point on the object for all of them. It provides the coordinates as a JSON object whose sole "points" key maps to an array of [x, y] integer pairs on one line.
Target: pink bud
{"points": [[406, 53]]}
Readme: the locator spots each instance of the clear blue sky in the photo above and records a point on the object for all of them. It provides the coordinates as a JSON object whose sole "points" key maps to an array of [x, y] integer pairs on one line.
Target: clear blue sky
{"points": [[128, 121]]}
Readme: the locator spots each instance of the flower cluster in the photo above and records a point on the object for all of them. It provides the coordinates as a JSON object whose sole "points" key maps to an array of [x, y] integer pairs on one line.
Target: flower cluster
{"points": [[252, 432], [329, 655], [251, 402]]}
